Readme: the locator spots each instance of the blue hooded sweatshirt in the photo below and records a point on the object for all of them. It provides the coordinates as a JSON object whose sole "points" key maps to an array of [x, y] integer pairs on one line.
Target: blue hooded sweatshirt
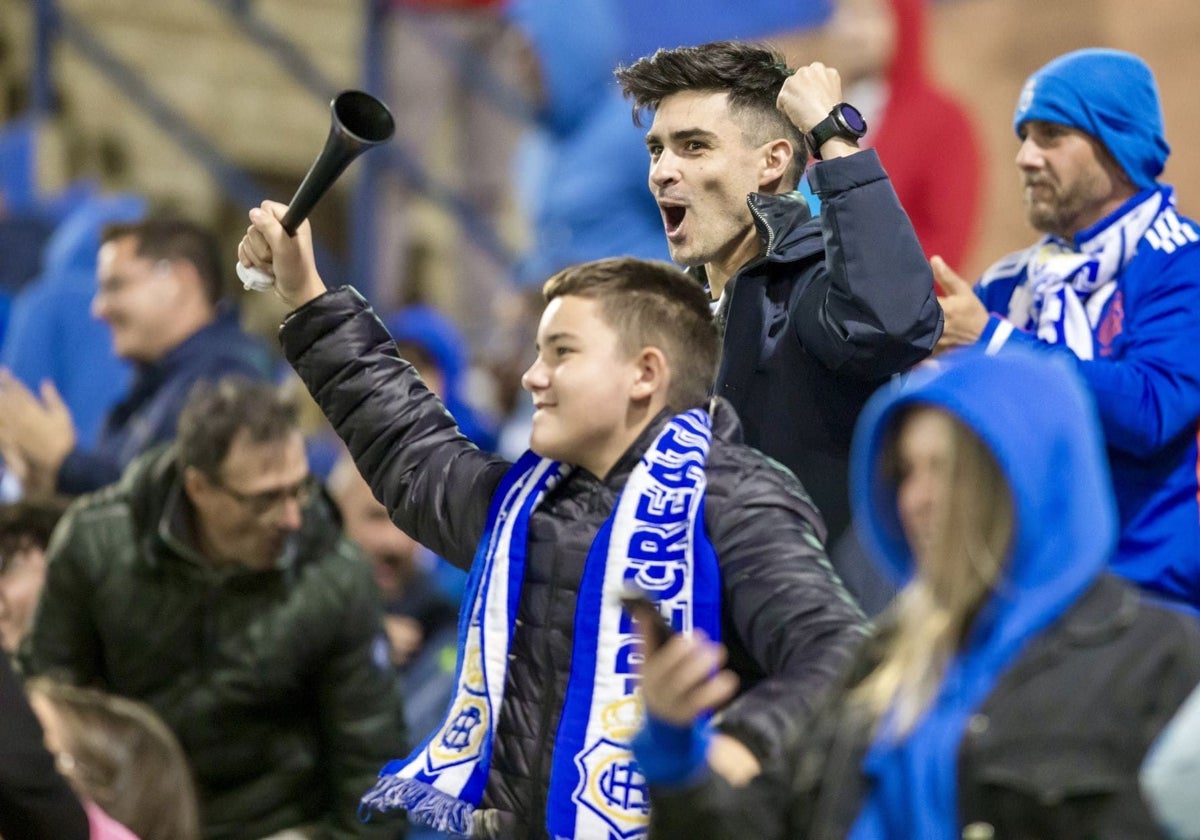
{"points": [[584, 174], [1039, 421], [51, 332]]}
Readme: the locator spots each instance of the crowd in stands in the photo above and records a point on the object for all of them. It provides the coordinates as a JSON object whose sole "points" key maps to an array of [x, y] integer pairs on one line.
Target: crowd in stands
{"points": [[729, 508]]}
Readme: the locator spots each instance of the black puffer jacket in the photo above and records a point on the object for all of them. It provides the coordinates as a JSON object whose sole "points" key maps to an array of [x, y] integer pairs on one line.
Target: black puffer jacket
{"points": [[787, 620], [271, 680]]}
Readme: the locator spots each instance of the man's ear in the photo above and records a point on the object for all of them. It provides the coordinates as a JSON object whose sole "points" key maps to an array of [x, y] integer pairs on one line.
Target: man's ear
{"points": [[653, 375], [187, 276], [195, 484], [777, 157]]}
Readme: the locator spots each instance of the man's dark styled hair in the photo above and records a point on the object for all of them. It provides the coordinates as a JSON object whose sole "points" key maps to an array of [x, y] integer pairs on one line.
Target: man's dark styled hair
{"points": [[750, 74], [29, 523], [216, 412], [175, 239], [652, 304]]}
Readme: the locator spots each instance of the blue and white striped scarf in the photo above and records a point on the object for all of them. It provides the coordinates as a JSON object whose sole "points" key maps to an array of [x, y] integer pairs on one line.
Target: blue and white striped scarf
{"points": [[655, 540], [1068, 286]]}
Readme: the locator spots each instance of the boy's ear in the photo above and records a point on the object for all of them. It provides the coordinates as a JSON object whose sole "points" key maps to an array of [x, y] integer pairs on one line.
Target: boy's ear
{"points": [[777, 157], [653, 375]]}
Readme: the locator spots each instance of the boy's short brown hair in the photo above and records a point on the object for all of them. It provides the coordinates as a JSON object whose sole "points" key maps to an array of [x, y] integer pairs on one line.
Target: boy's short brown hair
{"points": [[652, 304]]}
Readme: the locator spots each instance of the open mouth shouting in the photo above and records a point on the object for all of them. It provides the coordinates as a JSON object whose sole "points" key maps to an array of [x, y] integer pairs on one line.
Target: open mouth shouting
{"points": [[673, 216]]}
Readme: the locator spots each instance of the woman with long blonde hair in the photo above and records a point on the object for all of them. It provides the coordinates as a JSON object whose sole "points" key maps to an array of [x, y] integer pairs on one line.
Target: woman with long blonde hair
{"points": [[1013, 687]]}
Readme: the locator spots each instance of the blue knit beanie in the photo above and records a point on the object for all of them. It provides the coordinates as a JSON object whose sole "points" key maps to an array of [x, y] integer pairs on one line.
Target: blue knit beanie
{"points": [[1108, 94]]}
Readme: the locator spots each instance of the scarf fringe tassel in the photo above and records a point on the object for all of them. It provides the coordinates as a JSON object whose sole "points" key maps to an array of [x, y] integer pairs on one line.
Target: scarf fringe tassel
{"points": [[425, 804]]}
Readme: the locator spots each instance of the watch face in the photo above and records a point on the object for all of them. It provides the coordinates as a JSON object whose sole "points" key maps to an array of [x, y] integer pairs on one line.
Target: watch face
{"points": [[853, 119]]}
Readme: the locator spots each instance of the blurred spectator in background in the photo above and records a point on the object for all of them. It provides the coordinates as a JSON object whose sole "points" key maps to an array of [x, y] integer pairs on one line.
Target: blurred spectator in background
{"points": [[441, 354], [420, 619], [1114, 287], [1014, 687], [580, 175], [452, 81], [29, 214], [36, 803], [675, 23], [118, 753], [214, 584], [584, 177], [25, 529], [878, 46], [159, 289], [52, 334]]}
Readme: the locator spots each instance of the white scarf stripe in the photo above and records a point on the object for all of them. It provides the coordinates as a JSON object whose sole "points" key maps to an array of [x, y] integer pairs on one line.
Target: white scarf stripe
{"points": [[1069, 288]]}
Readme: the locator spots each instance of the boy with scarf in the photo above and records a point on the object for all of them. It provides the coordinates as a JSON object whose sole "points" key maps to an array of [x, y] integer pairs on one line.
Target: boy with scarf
{"points": [[1114, 286], [634, 478]]}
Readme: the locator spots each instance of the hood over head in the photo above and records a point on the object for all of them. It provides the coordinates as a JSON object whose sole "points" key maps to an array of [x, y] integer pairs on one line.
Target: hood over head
{"points": [[76, 241], [1037, 418]]}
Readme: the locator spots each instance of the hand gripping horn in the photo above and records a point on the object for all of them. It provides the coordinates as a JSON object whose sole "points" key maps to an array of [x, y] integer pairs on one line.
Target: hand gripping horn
{"points": [[358, 121]]}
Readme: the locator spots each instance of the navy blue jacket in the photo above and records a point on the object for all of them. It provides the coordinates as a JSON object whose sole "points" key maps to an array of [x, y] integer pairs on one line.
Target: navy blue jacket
{"points": [[148, 413], [833, 308]]}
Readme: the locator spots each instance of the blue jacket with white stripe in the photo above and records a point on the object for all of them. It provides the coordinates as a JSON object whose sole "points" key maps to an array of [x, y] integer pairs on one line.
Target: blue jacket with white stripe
{"points": [[1146, 383]]}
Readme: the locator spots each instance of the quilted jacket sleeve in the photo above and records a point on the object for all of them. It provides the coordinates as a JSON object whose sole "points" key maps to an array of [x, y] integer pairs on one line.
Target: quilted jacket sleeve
{"points": [[790, 625], [435, 483]]}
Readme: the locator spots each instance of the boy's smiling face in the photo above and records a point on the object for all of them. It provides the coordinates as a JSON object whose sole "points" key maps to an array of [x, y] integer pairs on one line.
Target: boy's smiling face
{"points": [[583, 384]]}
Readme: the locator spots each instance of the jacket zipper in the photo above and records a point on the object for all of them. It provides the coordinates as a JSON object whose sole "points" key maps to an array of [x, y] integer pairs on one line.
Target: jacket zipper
{"points": [[770, 230]]}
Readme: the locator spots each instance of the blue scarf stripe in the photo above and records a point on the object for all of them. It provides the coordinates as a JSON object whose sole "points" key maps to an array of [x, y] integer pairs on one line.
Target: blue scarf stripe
{"points": [[510, 485], [656, 532], [408, 783], [652, 538]]}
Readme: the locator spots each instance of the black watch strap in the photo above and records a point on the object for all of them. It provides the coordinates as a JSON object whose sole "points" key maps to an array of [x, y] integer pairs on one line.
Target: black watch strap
{"points": [[844, 121]]}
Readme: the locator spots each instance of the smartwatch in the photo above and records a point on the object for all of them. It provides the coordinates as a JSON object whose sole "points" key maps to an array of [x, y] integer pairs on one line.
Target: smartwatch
{"points": [[844, 121]]}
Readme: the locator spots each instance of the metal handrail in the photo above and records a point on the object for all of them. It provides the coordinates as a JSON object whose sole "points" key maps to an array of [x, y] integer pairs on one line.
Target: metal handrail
{"points": [[51, 23]]}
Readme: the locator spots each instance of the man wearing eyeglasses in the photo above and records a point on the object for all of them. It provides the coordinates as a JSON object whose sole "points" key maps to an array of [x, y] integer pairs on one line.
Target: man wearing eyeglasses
{"points": [[159, 290], [214, 583]]}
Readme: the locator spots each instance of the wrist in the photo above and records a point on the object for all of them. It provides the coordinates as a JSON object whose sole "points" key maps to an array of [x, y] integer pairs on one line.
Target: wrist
{"points": [[312, 289], [837, 147], [839, 132], [672, 755]]}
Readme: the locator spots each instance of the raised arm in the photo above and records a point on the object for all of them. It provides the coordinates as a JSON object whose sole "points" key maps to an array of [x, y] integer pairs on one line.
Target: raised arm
{"points": [[871, 312], [434, 482]]}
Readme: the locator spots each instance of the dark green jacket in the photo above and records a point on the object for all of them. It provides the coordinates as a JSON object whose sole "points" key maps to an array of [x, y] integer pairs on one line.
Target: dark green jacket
{"points": [[276, 682]]}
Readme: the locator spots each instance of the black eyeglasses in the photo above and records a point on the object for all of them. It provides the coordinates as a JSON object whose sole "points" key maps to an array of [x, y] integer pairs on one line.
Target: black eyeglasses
{"points": [[259, 503]]}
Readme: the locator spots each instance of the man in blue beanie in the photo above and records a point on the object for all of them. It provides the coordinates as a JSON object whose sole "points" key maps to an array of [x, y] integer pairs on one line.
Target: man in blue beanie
{"points": [[1115, 283]]}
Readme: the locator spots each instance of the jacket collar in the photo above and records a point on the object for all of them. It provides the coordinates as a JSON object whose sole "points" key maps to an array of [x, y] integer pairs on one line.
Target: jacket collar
{"points": [[726, 427], [785, 226]]}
